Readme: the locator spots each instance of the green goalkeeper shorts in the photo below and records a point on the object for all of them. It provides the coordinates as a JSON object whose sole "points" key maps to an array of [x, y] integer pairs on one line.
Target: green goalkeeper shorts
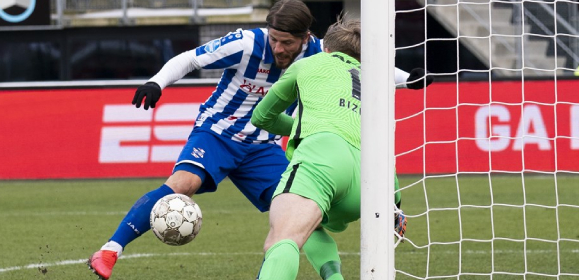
{"points": [[326, 169]]}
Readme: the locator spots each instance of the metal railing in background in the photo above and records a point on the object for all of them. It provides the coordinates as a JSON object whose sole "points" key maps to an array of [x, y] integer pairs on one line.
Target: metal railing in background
{"points": [[83, 6], [553, 20], [61, 9], [558, 20], [561, 19]]}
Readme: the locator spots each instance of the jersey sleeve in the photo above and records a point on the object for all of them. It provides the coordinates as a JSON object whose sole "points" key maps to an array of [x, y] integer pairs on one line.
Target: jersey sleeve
{"points": [[400, 77], [224, 52], [286, 87], [175, 69], [269, 112], [269, 115], [221, 53]]}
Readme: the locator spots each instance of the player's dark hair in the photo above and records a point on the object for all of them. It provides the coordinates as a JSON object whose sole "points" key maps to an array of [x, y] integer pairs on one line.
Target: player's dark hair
{"points": [[292, 16], [344, 36]]}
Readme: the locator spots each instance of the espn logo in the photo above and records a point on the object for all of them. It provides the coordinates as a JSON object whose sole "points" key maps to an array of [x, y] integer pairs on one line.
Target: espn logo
{"points": [[131, 135]]}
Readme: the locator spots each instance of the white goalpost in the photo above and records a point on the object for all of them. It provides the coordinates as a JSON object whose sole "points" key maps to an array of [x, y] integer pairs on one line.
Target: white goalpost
{"points": [[487, 156], [377, 250]]}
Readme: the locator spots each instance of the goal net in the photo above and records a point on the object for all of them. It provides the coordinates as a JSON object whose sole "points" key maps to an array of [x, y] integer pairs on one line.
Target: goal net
{"points": [[488, 155]]}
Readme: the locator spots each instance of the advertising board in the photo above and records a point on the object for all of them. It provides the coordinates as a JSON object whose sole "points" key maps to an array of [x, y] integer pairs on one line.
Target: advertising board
{"points": [[473, 127]]}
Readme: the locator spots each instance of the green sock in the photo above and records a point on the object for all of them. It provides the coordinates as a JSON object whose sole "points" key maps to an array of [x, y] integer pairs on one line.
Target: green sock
{"points": [[282, 261], [322, 252]]}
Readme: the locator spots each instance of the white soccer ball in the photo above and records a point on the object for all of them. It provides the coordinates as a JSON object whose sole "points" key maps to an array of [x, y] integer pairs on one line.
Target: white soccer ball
{"points": [[176, 219]]}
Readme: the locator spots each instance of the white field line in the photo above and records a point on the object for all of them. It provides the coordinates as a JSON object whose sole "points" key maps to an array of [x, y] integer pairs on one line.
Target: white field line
{"points": [[97, 213], [130, 256], [75, 213], [148, 255]]}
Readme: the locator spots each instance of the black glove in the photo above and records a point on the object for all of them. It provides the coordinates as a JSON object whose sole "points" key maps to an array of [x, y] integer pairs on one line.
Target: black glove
{"points": [[416, 79], [152, 92]]}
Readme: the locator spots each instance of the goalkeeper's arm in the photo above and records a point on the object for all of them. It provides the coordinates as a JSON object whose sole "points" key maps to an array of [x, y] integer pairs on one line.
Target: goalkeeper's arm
{"points": [[418, 78], [268, 115]]}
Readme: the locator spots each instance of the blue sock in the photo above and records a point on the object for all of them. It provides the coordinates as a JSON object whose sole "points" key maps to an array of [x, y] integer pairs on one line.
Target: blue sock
{"points": [[136, 222]]}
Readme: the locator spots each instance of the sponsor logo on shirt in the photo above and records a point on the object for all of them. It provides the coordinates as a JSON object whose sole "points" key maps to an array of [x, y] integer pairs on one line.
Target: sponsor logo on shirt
{"points": [[252, 88], [213, 45]]}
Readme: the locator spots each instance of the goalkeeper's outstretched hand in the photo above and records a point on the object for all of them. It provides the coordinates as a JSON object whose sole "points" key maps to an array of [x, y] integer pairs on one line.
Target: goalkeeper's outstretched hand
{"points": [[151, 92], [416, 79], [400, 222]]}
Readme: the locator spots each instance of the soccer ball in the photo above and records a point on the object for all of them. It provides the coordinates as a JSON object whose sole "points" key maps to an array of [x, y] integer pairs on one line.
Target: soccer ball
{"points": [[176, 219]]}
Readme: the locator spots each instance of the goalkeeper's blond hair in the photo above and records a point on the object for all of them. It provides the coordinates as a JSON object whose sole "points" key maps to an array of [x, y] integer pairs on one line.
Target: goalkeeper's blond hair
{"points": [[344, 36]]}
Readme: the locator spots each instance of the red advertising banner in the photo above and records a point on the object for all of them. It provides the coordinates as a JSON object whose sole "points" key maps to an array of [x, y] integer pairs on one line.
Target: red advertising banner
{"points": [[505, 126], [93, 133], [472, 127]]}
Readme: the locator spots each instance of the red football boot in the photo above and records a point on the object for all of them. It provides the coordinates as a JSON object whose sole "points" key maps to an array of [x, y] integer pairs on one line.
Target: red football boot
{"points": [[102, 263]]}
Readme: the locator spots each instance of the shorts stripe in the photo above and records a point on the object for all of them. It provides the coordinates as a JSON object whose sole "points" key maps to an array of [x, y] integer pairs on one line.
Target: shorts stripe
{"points": [[290, 180]]}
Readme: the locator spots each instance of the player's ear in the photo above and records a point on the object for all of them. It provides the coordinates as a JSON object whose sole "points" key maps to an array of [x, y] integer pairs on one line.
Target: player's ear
{"points": [[327, 50], [306, 38]]}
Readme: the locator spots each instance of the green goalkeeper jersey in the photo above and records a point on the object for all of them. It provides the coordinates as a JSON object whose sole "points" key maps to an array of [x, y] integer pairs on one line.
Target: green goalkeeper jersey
{"points": [[327, 89]]}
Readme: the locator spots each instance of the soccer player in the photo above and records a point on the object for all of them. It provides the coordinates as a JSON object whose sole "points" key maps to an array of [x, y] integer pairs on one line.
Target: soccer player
{"points": [[321, 185], [223, 141]]}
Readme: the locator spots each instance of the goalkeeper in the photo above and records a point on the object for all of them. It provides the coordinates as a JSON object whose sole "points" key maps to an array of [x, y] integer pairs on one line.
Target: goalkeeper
{"points": [[320, 189]]}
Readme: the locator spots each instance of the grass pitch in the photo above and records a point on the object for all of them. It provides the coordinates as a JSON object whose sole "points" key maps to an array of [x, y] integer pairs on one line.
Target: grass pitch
{"points": [[49, 228]]}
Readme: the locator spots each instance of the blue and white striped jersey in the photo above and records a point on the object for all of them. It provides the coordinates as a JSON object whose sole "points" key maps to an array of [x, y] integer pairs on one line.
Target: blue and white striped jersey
{"points": [[249, 72]]}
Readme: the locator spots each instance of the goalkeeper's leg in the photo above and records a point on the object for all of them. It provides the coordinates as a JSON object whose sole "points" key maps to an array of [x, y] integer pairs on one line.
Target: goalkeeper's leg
{"points": [[289, 231], [322, 252]]}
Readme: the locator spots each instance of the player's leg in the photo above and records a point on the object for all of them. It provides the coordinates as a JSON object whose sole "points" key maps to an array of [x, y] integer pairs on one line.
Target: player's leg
{"points": [[400, 219], [397, 194], [315, 175], [322, 252], [320, 248], [189, 177], [257, 177], [259, 172], [136, 221], [292, 219]]}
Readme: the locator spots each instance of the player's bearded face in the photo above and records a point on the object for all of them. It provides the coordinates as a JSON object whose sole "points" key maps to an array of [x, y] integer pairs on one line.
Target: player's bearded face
{"points": [[285, 47]]}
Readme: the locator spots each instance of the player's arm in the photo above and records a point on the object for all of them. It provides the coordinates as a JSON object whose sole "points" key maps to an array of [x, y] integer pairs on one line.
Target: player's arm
{"points": [[269, 115], [403, 79], [175, 69], [221, 53], [269, 112], [413, 80]]}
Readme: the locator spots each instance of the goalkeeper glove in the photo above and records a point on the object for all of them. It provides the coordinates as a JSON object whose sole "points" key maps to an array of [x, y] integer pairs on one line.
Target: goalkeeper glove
{"points": [[151, 92], [416, 79], [400, 222]]}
